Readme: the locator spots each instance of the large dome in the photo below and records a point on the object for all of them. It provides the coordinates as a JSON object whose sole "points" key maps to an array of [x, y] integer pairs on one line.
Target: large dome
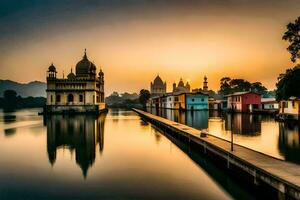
{"points": [[84, 66], [158, 81]]}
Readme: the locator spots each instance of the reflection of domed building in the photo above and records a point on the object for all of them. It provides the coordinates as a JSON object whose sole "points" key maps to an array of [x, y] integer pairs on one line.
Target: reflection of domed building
{"points": [[80, 134], [181, 87], [158, 87], [79, 92]]}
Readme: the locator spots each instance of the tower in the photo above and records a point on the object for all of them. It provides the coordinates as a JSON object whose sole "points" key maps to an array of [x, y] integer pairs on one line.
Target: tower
{"points": [[51, 73], [205, 86], [101, 85], [188, 87], [174, 87]]}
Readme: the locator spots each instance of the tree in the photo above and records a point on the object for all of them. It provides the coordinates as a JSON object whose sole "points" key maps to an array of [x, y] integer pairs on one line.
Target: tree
{"points": [[144, 97], [225, 86], [259, 88], [288, 84], [10, 99], [240, 85], [292, 35], [228, 86]]}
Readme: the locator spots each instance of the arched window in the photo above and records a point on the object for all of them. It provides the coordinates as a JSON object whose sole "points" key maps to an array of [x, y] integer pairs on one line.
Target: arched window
{"points": [[51, 98], [70, 98], [58, 98], [80, 98]]}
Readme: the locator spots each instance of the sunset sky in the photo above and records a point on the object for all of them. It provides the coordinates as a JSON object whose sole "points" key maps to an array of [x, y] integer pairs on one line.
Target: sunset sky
{"points": [[134, 40]]}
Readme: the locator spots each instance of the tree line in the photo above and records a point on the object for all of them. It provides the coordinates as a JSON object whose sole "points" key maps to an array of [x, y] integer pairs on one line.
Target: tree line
{"points": [[12, 101], [229, 86]]}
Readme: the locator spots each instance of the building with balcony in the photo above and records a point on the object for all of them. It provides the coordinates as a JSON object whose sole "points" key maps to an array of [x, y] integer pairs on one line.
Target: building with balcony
{"points": [[78, 93]]}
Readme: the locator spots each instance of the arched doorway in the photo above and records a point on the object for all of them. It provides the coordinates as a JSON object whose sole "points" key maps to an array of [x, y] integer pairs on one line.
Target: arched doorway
{"points": [[70, 98]]}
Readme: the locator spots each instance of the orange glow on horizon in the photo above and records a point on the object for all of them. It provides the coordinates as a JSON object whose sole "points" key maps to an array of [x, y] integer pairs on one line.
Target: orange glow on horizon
{"points": [[132, 51]]}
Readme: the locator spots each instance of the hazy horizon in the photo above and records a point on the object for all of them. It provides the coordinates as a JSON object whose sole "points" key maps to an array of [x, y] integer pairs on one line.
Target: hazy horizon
{"points": [[133, 41]]}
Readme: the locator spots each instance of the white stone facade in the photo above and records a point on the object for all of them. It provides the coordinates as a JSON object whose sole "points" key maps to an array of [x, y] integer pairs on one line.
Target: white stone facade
{"points": [[80, 92]]}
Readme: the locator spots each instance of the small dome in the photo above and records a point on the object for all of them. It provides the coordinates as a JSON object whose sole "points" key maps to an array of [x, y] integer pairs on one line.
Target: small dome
{"points": [[181, 84], [158, 81], [71, 76], [52, 68]]}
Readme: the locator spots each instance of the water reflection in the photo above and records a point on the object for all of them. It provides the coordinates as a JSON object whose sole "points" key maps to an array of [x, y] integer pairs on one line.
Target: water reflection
{"points": [[80, 134], [259, 132], [289, 141], [245, 124], [194, 119], [139, 162], [7, 119]]}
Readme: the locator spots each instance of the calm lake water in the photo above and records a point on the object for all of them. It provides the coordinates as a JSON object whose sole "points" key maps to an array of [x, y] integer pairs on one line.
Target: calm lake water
{"points": [[258, 132], [113, 156]]}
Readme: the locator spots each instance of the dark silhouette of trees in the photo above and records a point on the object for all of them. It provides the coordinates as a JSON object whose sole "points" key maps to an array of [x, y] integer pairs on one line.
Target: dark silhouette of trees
{"points": [[225, 86], [292, 35], [288, 84], [124, 100], [259, 88], [144, 97], [228, 86], [12, 101]]}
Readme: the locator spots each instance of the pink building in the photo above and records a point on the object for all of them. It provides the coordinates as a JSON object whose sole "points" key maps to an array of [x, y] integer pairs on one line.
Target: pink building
{"points": [[244, 101]]}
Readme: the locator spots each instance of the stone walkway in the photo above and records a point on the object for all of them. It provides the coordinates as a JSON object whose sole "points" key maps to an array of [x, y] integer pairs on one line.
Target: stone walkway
{"points": [[286, 172]]}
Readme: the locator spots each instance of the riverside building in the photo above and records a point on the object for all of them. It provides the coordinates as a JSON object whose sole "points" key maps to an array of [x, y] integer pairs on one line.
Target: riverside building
{"points": [[80, 92]]}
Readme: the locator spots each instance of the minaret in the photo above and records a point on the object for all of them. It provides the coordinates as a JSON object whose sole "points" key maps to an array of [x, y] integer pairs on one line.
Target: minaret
{"points": [[205, 87], [101, 88], [174, 87], [188, 87]]}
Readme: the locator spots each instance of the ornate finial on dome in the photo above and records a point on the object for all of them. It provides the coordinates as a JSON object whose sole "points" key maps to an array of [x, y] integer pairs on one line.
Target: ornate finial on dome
{"points": [[85, 56]]}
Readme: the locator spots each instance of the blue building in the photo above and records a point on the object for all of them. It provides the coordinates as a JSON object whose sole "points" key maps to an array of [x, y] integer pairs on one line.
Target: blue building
{"points": [[196, 101]]}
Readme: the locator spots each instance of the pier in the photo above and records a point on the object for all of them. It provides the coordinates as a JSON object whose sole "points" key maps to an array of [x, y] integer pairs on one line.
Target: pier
{"points": [[278, 174]]}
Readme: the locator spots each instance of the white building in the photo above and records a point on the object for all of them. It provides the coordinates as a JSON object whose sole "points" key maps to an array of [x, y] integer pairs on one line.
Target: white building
{"points": [[79, 92], [269, 104]]}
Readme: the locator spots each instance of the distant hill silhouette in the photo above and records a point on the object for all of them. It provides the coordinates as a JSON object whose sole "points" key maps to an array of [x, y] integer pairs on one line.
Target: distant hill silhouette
{"points": [[34, 88]]}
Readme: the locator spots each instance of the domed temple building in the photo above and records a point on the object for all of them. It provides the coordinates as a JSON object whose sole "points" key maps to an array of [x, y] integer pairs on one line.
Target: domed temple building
{"points": [[181, 87], [158, 87], [78, 93]]}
